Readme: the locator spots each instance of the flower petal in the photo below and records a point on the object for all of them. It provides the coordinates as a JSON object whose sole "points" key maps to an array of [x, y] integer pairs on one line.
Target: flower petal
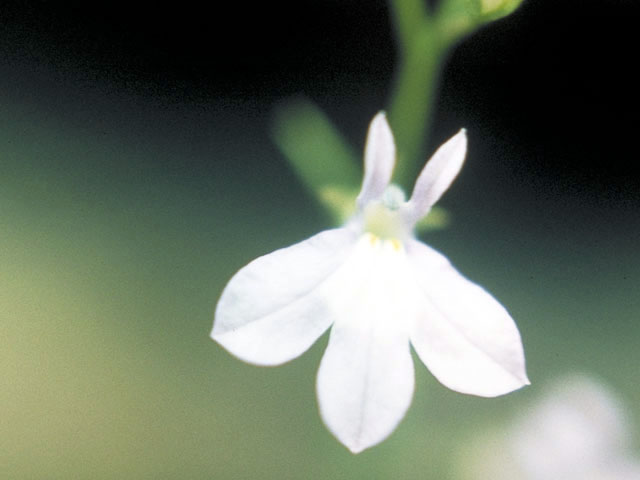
{"points": [[379, 159], [365, 381], [437, 175], [273, 309], [463, 335]]}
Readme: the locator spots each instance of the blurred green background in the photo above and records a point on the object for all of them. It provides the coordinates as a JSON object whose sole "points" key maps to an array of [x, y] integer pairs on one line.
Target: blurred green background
{"points": [[137, 175]]}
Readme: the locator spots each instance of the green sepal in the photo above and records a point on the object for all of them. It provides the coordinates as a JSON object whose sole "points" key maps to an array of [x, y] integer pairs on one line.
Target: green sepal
{"points": [[462, 17], [437, 219]]}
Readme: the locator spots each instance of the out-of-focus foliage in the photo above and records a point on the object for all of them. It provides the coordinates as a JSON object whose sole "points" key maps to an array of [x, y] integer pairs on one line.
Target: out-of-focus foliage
{"points": [[318, 153]]}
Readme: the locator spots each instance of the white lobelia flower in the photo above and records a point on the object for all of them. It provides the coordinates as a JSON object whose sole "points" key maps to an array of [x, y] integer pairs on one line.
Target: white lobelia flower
{"points": [[379, 289], [578, 430]]}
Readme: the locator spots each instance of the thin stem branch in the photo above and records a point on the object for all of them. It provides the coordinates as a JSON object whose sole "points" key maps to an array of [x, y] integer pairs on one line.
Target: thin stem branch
{"points": [[408, 16], [413, 96]]}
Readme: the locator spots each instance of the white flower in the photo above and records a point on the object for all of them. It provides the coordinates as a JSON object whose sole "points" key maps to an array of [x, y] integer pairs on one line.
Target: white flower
{"points": [[578, 430], [379, 289]]}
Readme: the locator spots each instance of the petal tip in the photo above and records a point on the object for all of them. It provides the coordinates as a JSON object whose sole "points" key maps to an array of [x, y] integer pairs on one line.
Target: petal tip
{"points": [[522, 381], [523, 378], [217, 330], [379, 159], [438, 174], [380, 115], [356, 449], [215, 336], [355, 445], [380, 125], [461, 137]]}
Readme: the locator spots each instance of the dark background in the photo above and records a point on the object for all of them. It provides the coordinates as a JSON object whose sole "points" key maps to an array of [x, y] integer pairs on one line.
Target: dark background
{"points": [[557, 77]]}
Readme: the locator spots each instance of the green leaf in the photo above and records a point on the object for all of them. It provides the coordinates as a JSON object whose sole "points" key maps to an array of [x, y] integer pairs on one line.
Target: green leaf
{"points": [[341, 202], [314, 148]]}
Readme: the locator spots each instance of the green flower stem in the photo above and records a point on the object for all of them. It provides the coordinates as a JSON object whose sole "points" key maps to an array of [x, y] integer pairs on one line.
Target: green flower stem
{"points": [[423, 41], [408, 18], [412, 99]]}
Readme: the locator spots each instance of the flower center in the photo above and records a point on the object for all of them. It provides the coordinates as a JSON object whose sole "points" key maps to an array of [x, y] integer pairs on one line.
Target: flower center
{"points": [[382, 218], [393, 196]]}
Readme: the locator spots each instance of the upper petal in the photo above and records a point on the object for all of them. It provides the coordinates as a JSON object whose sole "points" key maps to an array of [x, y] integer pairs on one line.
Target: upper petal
{"points": [[437, 175], [365, 381], [464, 336], [379, 159], [273, 309]]}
